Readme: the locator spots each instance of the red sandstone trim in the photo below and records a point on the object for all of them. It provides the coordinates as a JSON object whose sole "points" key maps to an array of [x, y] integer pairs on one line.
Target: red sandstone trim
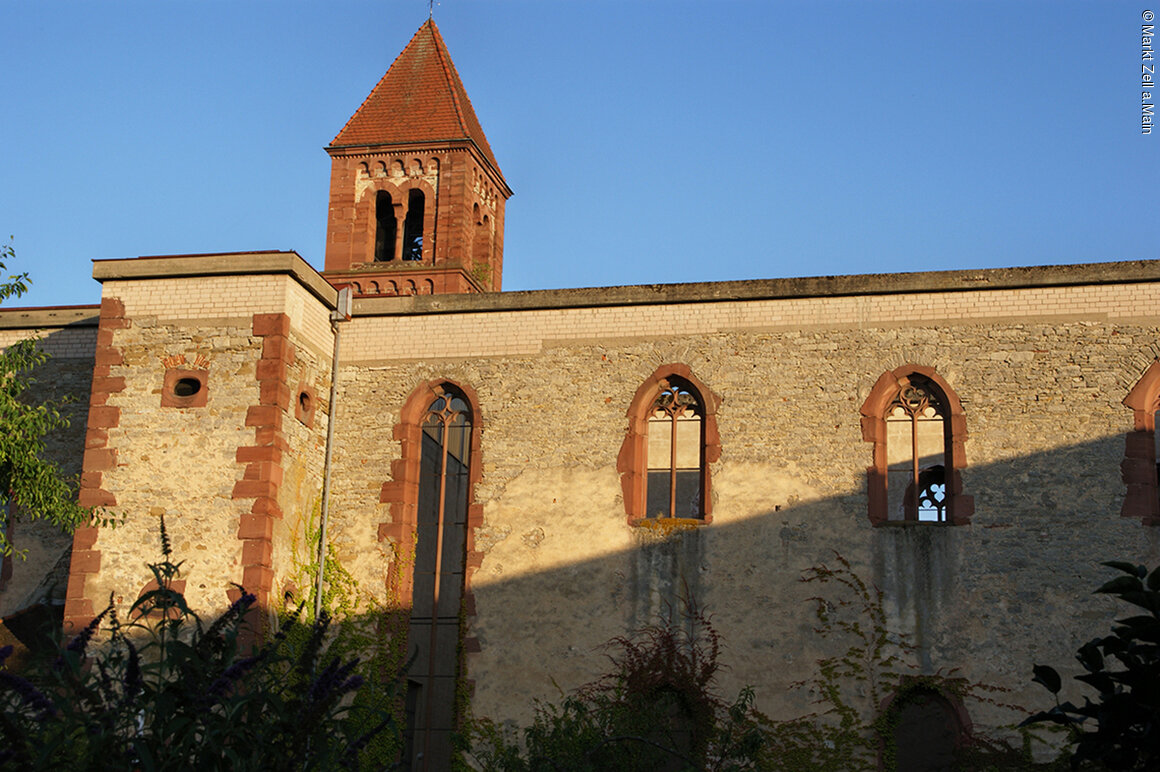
{"points": [[889, 384], [169, 396], [632, 462], [402, 492], [1138, 469], [98, 458], [176, 585], [305, 404], [263, 472]]}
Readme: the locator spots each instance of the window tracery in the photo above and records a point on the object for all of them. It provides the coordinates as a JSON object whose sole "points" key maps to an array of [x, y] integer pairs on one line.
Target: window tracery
{"points": [[672, 440], [918, 428], [916, 448], [675, 452]]}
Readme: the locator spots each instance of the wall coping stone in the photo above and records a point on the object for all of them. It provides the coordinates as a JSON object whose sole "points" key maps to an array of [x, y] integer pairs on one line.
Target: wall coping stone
{"points": [[290, 263], [1126, 272], [49, 317], [217, 264]]}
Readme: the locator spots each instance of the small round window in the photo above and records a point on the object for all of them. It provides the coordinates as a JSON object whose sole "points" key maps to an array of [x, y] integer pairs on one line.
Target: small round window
{"points": [[186, 387]]}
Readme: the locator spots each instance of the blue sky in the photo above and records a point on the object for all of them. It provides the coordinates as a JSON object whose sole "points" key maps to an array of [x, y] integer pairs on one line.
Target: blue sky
{"points": [[646, 141]]}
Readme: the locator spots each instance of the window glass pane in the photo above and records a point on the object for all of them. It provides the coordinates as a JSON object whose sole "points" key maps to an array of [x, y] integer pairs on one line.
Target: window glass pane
{"points": [[688, 493], [916, 437], [900, 462], [688, 442], [675, 453], [931, 441], [440, 556], [658, 493], [660, 438]]}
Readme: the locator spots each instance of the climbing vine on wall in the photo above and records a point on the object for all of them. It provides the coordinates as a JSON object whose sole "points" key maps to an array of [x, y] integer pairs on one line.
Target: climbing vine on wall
{"points": [[363, 627], [848, 728]]}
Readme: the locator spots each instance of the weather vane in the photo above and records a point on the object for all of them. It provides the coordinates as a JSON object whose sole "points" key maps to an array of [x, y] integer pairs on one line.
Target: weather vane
{"points": [[430, 8]]}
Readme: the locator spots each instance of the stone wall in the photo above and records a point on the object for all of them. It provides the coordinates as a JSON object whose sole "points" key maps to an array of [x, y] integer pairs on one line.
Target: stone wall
{"points": [[562, 572], [236, 471]]}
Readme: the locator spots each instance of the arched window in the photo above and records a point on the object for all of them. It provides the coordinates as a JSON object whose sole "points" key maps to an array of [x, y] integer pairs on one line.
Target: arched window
{"points": [[671, 441], [917, 432], [1140, 469], [927, 728], [413, 226], [431, 527], [918, 428], [440, 553], [481, 242], [386, 227], [675, 451]]}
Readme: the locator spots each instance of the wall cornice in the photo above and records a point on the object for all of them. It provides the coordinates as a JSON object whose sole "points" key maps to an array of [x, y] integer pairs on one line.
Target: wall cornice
{"points": [[1086, 274]]}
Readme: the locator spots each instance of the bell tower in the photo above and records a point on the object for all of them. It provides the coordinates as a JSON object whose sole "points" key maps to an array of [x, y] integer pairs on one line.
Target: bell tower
{"points": [[416, 196]]}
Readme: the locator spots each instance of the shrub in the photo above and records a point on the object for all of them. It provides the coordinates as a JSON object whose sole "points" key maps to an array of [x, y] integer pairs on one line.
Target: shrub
{"points": [[164, 691], [1121, 728]]}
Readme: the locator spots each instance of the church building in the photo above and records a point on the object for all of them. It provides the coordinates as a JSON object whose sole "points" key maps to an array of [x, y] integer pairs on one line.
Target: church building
{"points": [[526, 475]]}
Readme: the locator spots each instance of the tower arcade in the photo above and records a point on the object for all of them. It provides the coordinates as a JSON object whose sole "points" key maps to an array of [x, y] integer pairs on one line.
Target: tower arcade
{"points": [[416, 196]]}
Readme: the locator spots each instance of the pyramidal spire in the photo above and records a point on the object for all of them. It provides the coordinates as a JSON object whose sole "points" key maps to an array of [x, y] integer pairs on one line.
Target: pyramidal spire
{"points": [[416, 196], [420, 99]]}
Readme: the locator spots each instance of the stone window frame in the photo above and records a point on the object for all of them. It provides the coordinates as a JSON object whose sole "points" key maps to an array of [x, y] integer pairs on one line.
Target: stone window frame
{"points": [[1138, 470], [306, 405], [874, 410], [402, 494], [173, 376], [632, 462]]}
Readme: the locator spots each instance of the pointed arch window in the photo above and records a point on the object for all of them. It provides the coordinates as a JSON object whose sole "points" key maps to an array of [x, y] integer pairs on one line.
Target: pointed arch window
{"points": [[440, 563], [675, 452], [917, 431], [672, 439], [918, 428], [1140, 469]]}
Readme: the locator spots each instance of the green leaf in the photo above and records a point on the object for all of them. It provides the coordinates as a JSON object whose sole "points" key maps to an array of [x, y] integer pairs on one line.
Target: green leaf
{"points": [[1090, 657], [1046, 675], [1121, 585], [1131, 569]]}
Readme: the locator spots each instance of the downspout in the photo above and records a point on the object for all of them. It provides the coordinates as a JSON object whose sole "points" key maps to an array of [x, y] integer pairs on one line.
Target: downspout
{"points": [[341, 313]]}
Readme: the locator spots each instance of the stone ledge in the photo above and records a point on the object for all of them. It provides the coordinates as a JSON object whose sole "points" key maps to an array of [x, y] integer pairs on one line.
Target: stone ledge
{"points": [[1127, 272], [51, 317], [217, 264]]}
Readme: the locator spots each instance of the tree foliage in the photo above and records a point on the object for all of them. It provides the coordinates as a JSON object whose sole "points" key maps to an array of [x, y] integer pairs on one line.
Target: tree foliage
{"points": [[36, 488], [167, 692], [1120, 730]]}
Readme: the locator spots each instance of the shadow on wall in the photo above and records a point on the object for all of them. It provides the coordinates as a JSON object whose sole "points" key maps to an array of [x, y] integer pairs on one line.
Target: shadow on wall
{"points": [[987, 598], [34, 587]]}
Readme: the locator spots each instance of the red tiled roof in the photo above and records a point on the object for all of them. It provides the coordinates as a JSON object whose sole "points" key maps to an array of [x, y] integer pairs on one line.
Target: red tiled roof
{"points": [[420, 99]]}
